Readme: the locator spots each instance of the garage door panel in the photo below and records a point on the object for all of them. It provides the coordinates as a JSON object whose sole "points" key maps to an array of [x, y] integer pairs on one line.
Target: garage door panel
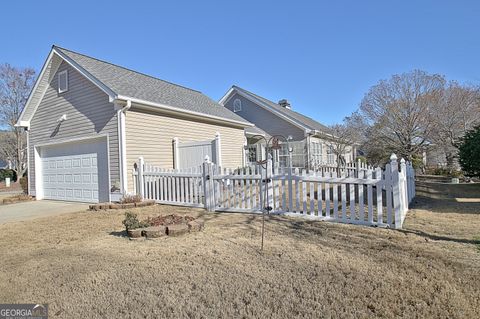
{"points": [[73, 173]]}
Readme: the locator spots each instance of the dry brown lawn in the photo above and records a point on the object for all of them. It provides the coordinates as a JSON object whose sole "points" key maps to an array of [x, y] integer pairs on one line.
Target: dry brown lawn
{"points": [[83, 267]]}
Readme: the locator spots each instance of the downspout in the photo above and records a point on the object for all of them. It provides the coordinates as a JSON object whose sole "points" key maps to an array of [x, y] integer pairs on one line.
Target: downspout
{"points": [[27, 131], [122, 146]]}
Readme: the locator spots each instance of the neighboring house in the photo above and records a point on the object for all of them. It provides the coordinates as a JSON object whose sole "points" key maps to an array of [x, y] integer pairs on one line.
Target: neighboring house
{"points": [[89, 121], [311, 141], [4, 164], [435, 157]]}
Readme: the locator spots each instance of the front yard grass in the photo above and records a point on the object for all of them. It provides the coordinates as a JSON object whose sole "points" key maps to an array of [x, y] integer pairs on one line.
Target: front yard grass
{"points": [[83, 267]]}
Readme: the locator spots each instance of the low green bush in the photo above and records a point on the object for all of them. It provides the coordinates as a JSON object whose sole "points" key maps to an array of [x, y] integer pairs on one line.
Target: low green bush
{"points": [[8, 173], [131, 221]]}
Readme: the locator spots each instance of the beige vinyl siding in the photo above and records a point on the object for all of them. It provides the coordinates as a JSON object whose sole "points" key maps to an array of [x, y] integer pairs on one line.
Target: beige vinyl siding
{"points": [[150, 135], [264, 119], [88, 113]]}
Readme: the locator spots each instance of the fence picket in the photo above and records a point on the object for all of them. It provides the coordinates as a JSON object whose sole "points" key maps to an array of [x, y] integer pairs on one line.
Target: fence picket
{"points": [[344, 199], [370, 197], [242, 188], [388, 190], [351, 187], [182, 189], [327, 200], [335, 197], [379, 187], [284, 197], [297, 191], [319, 198], [312, 198], [304, 192]]}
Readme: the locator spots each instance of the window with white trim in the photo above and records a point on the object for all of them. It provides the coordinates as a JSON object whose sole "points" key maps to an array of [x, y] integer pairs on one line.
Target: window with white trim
{"points": [[316, 153], [330, 155], [237, 105], [63, 81]]}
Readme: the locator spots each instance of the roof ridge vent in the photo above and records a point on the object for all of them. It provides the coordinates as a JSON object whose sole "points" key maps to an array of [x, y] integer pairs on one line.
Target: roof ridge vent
{"points": [[284, 103]]}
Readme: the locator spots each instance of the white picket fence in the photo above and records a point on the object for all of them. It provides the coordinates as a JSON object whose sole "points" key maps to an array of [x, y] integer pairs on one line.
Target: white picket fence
{"points": [[357, 194]]}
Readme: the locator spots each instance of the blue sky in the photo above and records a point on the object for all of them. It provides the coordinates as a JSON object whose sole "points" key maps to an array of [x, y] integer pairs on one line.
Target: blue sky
{"points": [[322, 56]]}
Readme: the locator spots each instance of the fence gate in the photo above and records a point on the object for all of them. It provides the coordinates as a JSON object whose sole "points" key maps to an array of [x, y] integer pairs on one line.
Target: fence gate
{"points": [[192, 154]]}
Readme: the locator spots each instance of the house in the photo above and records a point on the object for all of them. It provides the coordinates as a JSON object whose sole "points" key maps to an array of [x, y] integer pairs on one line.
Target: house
{"points": [[4, 164], [311, 142], [88, 122]]}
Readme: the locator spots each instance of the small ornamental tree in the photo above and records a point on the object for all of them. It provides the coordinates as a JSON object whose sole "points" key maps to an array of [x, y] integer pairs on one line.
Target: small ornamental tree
{"points": [[469, 152]]}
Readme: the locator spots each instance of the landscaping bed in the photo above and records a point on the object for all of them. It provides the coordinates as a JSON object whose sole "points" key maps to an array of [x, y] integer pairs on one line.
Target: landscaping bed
{"points": [[105, 206], [159, 226], [17, 199]]}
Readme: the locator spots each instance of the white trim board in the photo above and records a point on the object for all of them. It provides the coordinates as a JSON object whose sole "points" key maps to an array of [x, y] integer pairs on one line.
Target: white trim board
{"points": [[161, 108]]}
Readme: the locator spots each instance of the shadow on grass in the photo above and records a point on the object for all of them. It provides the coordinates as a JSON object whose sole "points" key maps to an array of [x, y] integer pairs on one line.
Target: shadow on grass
{"points": [[445, 205], [122, 233], [423, 234]]}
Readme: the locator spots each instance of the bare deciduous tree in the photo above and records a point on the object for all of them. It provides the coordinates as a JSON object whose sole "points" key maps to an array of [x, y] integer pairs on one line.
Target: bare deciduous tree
{"points": [[398, 111], [457, 112], [344, 137], [15, 87]]}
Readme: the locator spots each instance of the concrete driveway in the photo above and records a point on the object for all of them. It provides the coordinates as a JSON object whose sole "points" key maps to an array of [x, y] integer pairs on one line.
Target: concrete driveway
{"points": [[36, 209]]}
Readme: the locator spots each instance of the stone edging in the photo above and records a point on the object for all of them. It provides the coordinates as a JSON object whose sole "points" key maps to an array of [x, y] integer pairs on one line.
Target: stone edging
{"points": [[105, 206], [154, 232], [7, 201]]}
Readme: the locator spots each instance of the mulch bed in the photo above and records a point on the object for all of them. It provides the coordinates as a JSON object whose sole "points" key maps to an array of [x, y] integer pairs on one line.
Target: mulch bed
{"points": [[169, 220]]}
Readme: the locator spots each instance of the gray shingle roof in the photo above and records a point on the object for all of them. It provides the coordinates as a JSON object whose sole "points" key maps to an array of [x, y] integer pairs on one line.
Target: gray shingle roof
{"points": [[136, 85], [298, 117]]}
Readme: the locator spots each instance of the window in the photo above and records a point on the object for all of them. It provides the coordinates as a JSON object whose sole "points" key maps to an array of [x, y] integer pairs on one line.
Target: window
{"points": [[330, 155], [252, 153], [298, 154], [316, 153], [237, 105], [62, 81]]}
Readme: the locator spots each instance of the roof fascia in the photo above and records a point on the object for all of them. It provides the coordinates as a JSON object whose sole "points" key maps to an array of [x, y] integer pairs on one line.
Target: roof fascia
{"points": [[111, 94], [176, 111], [26, 123]]}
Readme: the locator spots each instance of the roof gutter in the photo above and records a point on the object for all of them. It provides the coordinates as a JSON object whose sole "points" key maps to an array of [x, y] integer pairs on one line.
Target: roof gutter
{"points": [[171, 109]]}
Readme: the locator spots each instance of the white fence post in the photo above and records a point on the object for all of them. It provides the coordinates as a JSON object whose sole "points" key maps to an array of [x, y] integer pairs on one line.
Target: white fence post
{"points": [[218, 149], [141, 185], [267, 182], [404, 186], [396, 191], [135, 181], [207, 177], [176, 158]]}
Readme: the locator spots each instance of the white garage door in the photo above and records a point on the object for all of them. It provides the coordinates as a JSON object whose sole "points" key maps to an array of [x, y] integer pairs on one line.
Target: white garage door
{"points": [[75, 172]]}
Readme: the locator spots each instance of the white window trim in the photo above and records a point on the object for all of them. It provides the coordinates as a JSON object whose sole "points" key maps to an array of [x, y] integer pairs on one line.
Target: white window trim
{"points": [[58, 80]]}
